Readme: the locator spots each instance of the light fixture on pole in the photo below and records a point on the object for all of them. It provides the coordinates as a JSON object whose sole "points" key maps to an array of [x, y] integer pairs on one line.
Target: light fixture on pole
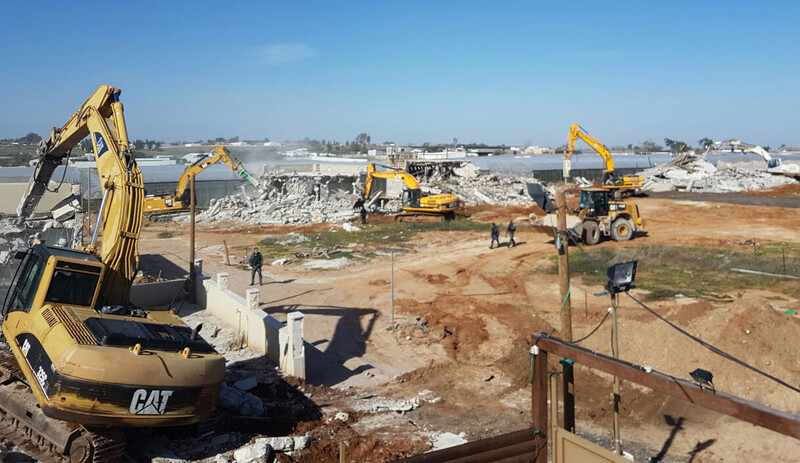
{"points": [[620, 280]]}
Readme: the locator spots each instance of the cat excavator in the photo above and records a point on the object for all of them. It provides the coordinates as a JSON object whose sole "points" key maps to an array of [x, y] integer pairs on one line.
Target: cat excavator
{"points": [[416, 206], [620, 186], [87, 362], [179, 199]]}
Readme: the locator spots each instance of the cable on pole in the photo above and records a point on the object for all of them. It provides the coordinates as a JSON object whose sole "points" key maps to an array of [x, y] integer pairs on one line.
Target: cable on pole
{"points": [[715, 349]]}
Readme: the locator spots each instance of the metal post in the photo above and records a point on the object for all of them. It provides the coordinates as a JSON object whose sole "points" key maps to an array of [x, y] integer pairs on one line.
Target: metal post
{"points": [[192, 276], [392, 254], [563, 266], [553, 408], [568, 384], [539, 402], [615, 354]]}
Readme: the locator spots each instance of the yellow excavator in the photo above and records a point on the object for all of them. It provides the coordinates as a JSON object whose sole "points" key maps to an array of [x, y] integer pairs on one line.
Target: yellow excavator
{"points": [[89, 362], [621, 186], [179, 199], [416, 206]]}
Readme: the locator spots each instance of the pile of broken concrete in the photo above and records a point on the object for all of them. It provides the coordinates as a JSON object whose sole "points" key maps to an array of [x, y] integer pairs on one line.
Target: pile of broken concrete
{"points": [[287, 199], [473, 187], [691, 172]]}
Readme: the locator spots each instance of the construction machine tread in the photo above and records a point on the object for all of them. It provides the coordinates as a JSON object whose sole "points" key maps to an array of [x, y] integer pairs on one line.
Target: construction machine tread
{"points": [[105, 445]]}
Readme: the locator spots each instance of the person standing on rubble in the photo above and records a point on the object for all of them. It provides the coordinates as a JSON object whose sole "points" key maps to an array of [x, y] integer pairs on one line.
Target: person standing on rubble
{"points": [[495, 236], [317, 191], [510, 233], [256, 260], [363, 213]]}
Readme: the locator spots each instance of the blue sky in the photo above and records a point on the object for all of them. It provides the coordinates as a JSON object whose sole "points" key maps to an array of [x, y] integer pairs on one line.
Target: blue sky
{"points": [[410, 71]]}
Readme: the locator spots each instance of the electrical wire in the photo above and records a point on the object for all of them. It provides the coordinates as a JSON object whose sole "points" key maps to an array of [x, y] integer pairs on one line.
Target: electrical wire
{"points": [[714, 349], [605, 317]]}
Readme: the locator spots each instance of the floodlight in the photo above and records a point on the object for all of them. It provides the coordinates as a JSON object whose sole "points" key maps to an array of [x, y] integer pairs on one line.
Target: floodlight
{"points": [[703, 377], [537, 193], [621, 277]]}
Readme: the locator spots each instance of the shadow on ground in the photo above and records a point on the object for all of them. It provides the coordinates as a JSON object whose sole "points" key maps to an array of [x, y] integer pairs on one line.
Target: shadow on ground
{"points": [[349, 340]]}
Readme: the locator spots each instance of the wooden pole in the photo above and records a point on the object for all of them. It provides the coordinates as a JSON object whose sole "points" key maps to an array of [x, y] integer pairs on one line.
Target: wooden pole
{"points": [[563, 265]]}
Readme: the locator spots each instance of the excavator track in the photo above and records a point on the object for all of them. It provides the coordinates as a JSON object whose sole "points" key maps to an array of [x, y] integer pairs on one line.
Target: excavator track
{"points": [[24, 428]]}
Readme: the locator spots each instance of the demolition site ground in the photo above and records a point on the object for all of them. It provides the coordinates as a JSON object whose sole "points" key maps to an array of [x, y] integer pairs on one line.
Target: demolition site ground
{"points": [[455, 363]]}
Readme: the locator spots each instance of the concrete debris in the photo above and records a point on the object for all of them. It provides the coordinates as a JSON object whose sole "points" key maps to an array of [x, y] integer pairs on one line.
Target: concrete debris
{"points": [[341, 416], [448, 439], [240, 401], [321, 264], [348, 227], [691, 172], [258, 452], [292, 238], [468, 170], [281, 261], [263, 445], [472, 187], [288, 199], [291, 198], [378, 405]]}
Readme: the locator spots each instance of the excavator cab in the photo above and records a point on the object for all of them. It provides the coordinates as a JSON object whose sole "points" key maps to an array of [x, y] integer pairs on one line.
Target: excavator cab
{"points": [[54, 275], [411, 197]]}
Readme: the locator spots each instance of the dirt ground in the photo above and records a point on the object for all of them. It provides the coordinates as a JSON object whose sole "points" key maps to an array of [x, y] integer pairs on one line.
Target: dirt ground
{"points": [[463, 313]]}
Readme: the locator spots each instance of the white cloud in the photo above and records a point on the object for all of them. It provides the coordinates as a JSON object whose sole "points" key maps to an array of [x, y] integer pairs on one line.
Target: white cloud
{"points": [[280, 53]]}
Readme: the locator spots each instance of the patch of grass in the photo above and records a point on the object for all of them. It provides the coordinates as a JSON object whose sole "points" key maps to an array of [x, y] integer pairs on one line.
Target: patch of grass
{"points": [[697, 272], [371, 235]]}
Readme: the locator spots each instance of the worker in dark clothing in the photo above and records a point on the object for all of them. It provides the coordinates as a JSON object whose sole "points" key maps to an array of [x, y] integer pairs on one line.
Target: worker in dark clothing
{"points": [[256, 260], [510, 233], [495, 236], [363, 213]]}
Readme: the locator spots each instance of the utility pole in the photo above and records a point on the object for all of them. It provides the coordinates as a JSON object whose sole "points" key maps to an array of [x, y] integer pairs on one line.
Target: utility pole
{"points": [[562, 243], [192, 275]]}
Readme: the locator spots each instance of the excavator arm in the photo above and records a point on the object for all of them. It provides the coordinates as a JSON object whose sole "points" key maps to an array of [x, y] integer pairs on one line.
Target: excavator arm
{"points": [[221, 154], [120, 216], [575, 132], [409, 180], [179, 199]]}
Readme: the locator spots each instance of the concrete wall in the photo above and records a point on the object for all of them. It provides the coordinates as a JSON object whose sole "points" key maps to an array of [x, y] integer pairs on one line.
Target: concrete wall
{"points": [[153, 294], [281, 343], [10, 194]]}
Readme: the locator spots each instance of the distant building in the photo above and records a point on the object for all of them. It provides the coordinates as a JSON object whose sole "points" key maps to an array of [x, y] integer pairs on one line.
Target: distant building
{"points": [[538, 150]]}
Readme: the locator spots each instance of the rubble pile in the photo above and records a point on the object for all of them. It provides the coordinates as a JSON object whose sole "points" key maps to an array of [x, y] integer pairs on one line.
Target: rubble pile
{"points": [[14, 237], [288, 199], [472, 187], [291, 198], [691, 172]]}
